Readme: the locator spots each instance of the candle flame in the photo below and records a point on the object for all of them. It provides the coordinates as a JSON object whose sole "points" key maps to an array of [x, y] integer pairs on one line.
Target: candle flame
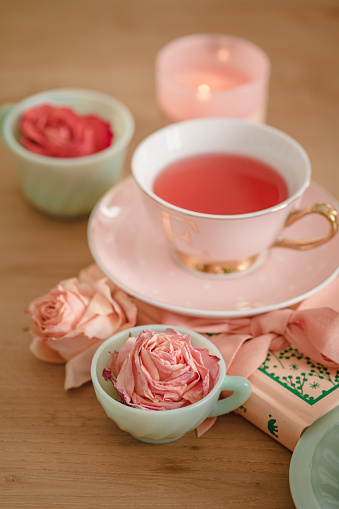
{"points": [[204, 91]]}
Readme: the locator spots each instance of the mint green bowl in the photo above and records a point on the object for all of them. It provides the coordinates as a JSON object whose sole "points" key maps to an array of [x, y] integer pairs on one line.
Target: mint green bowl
{"points": [[69, 187]]}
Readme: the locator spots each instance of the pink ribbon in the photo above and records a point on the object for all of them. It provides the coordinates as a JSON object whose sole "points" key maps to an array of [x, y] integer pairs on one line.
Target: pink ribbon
{"points": [[312, 328], [245, 343]]}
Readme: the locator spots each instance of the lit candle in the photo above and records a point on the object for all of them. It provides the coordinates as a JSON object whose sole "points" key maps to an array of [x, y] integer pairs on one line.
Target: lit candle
{"points": [[212, 75], [204, 92]]}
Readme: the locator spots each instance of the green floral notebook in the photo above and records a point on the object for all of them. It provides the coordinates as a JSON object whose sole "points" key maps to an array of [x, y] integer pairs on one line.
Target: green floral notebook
{"points": [[289, 392]]}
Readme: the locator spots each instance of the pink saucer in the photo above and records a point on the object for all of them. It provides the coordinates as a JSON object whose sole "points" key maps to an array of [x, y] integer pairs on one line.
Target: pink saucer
{"points": [[128, 249]]}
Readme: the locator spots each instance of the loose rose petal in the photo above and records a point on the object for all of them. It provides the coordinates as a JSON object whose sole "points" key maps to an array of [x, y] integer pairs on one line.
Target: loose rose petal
{"points": [[41, 350], [78, 368]]}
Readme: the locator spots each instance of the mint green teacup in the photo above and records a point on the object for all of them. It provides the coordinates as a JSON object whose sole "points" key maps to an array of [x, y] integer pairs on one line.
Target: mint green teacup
{"points": [[161, 426]]}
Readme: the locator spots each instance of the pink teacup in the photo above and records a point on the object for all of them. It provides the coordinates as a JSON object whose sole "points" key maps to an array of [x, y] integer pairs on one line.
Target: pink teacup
{"points": [[227, 243]]}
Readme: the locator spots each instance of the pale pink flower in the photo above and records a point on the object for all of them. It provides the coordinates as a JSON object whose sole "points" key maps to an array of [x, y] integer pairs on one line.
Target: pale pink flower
{"points": [[162, 371], [75, 317]]}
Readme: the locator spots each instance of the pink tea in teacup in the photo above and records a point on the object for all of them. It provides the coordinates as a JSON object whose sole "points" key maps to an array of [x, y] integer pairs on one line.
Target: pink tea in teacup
{"points": [[220, 183]]}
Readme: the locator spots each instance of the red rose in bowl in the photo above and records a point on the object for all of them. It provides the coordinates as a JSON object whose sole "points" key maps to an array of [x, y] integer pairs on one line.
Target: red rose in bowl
{"points": [[60, 132]]}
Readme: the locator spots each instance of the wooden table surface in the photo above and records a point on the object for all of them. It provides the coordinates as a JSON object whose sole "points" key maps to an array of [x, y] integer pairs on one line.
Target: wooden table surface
{"points": [[58, 449]]}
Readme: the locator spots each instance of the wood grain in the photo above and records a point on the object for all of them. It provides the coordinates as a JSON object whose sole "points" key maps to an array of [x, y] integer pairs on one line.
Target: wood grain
{"points": [[58, 449]]}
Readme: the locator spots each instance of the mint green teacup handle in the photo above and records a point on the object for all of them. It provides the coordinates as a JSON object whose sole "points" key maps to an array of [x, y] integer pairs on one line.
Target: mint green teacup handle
{"points": [[4, 110], [241, 388]]}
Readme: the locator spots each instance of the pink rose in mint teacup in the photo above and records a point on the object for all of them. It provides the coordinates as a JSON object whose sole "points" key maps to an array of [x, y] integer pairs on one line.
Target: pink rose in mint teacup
{"points": [[162, 371], [157, 382], [69, 146]]}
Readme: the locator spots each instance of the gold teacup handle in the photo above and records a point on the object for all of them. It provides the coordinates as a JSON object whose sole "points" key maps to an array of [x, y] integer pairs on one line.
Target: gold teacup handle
{"points": [[318, 208]]}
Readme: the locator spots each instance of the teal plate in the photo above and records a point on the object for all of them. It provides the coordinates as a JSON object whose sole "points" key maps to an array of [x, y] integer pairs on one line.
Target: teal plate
{"points": [[314, 468]]}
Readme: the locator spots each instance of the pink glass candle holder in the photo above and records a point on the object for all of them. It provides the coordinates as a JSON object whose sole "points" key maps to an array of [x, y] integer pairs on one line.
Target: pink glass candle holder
{"points": [[212, 75]]}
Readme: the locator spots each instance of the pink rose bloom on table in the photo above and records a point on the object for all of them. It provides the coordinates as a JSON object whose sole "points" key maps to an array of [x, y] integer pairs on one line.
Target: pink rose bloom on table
{"points": [[162, 371], [60, 132], [74, 318]]}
